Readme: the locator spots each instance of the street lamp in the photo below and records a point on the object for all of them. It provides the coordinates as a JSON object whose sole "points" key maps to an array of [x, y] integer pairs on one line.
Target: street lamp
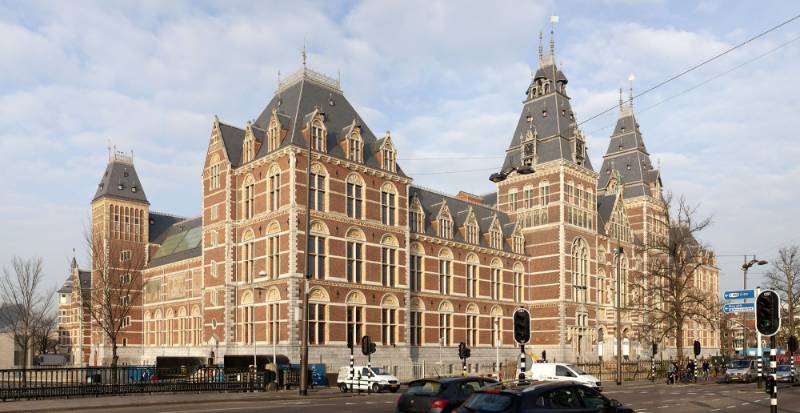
{"points": [[262, 274], [618, 334], [746, 266]]}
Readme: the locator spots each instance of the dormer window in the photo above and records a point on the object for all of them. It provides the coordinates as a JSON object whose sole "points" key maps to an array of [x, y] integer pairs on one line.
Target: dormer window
{"points": [[416, 217], [472, 233], [495, 239], [318, 135], [529, 149], [389, 157], [355, 146], [445, 227], [518, 243], [273, 133], [579, 151], [248, 146]]}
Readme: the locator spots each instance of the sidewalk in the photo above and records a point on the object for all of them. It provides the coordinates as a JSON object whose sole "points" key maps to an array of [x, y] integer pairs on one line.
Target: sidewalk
{"points": [[163, 399]]}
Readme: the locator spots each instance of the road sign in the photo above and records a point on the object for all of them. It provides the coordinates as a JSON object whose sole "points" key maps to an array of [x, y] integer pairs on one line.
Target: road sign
{"points": [[738, 307], [738, 295]]}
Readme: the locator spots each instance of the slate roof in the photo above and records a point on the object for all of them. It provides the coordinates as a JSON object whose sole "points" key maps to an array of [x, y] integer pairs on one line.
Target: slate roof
{"points": [[627, 155], [295, 101], [552, 119], [181, 241], [605, 207], [121, 181], [159, 224], [431, 203], [85, 278]]}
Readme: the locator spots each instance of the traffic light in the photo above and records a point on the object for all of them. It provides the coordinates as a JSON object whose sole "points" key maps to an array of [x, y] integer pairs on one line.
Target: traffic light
{"points": [[768, 313], [365, 345], [792, 344], [522, 326], [655, 349], [696, 348], [462, 350], [372, 348]]}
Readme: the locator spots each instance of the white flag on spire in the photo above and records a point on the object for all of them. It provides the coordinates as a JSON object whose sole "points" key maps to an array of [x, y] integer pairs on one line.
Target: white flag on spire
{"points": [[553, 19], [631, 77]]}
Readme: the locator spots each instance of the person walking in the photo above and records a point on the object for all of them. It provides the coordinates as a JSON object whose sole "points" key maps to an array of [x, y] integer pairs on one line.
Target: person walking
{"points": [[706, 367]]}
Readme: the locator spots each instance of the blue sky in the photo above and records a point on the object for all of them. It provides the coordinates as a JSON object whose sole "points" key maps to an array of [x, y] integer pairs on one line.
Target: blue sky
{"points": [[446, 78]]}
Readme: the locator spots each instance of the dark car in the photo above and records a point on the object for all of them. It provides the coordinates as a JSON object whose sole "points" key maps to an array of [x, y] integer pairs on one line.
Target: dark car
{"points": [[441, 395], [541, 397]]}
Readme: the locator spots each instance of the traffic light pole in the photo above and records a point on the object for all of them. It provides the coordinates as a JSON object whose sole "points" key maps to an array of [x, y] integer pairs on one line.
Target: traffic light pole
{"points": [[369, 366], [773, 370], [522, 363], [759, 351]]}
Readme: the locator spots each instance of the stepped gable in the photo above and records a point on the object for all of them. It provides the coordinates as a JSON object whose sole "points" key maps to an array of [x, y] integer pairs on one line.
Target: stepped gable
{"points": [[431, 203], [181, 241], [627, 155], [120, 180]]}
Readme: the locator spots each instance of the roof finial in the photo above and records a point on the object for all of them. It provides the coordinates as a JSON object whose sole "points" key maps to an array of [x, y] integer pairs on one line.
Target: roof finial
{"points": [[541, 49], [553, 21], [631, 78], [620, 99], [304, 54], [109, 149]]}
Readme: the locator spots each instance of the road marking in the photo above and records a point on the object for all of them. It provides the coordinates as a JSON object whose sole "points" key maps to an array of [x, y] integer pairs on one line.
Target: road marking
{"points": [[731, 407]]}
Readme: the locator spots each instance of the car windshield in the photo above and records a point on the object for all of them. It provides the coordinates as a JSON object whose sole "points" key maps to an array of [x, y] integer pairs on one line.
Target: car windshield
{"points": [[377, 371], [739, 364], [489, 402], [576, 369], [424, 388], [784, 368]]}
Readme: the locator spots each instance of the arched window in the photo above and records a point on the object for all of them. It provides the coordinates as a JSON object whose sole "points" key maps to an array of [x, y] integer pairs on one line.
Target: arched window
{"points": [[355, 194], [389, 261], [317, 316], [496, 276], [496, 236], [248, 145], [416, 219], [274, 187], [473, 326], [317, 188], [317, 250], [389, 306], [273, 250], [388, 204], [519, 283], [415, 267], [248, 321], [273, 132], [248, 259], [248, 196], [473, 275], [355, 255], [355, 145], [580, 265], [471, 228], [497, 326], [416, 322], [445, 273], [445, 222], [445, 323], [318, 135], [355, 316], [389, 156]]}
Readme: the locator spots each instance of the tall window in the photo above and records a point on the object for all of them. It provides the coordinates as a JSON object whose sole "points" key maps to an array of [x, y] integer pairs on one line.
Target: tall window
{"points": [[512, 200], [445, 326], [544, 193], [249, 328], [316, 323], [497, 326], [249, 198], [389, 160], [317, 191], [472, 233], [354, 147], [415, 272], [527, 197], [579, 271], [354, 261], [354, 200], [273, 317], [274, 189], [444, 276], [317, 136], [445, 227], [215, 173], [248, 262], [274, 257], [496, 239], [389, 326], [472, 280], [273, 136], [518, 286], [518, 243], [354, 320], [387, 206], [496, 283], [316, 257], [388, 266], [472, 330], [415, 328], [416, 220]]}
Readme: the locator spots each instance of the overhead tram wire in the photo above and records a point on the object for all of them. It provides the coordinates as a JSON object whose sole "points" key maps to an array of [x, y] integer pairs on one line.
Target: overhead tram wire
{"points": [[452, 172], [697, 66]]}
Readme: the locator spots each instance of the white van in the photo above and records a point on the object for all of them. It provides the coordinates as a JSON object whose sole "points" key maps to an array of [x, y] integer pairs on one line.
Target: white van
{"points": [[562, 372], [366, 378]]}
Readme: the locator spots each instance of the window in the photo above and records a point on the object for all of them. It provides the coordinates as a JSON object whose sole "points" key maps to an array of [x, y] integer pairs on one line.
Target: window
{"points": [[248, 262], [472, 280], [249, 327], [316, 323], [248, 147], [274, 182], [497, 325], [389, 326], [249, 198], [354, 200], [354, 320], [445, 227], [444, 276], [388, 266], [527, 195], [416, 219], [544, 193], [355, 146], [125, 255], [214, 212], [512, 200], [125, 279], [212, 297], [496, 239], [388, 155], [472, 233], [213, 268], [495, 283], [415, 328], [472, 330], [387, 205], [518, 244], [274, 257], [445, 325], [273, 317], [317, 190], [354, 261], [215, 173], [126, 300], [316, 257], [317, 136], [529, 149], [415, 272], [579, 271], [563, 398], [518, 286]]}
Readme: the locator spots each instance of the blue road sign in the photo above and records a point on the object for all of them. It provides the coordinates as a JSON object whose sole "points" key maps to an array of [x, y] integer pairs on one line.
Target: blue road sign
{"points": [[738, 295], [738, 307]]}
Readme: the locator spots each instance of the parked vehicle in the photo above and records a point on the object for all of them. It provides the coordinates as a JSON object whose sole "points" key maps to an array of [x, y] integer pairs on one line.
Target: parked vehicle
{"points": [[541, 397], [562, 372], [442, 395], [742, 370], [366, 378], [50, 360], [784, 374]]}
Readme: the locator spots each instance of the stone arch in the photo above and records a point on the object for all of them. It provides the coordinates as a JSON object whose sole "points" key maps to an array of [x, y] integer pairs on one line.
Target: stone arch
{"points": [[473, 259], [497, 311], [472, 308], [355, 233], [496, 263], [247, 298], [319, 294], [170, 313], [248, 235], [147, 316], [214, 159], [518, 267], [274, 227], [318, 169], [390, 300], [319, 227], [389, 241], [274, 169], [354, 178], [417, 304], [157, 314], [389, 187], [273, 294], [445, 307], [417, 249], [356, 297], [182, 312], [195, 311], [445, 253]]}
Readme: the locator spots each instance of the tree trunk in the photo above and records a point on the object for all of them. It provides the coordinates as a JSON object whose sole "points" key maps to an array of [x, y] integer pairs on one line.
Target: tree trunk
{"points": [[114, 361], [679, 342]]}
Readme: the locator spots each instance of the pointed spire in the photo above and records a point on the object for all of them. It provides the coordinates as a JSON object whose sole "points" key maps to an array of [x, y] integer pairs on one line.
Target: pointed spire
{"points": [[553, 21], [631, 78], [304, 54], [541, 49], [620, 99]]}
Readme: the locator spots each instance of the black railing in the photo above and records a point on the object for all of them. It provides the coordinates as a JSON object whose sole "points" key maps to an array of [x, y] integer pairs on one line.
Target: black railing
{"points": [[89, 381]]}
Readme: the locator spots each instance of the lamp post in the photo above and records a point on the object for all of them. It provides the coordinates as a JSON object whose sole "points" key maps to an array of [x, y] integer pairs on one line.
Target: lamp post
{"points": [[497, 346], [746, 266], [253, 316], [619, 318], [307, 274]]}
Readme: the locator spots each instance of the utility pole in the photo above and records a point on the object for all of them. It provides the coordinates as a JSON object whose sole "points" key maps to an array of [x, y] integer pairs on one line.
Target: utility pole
{"points": [[619, 317], [306, 276]]}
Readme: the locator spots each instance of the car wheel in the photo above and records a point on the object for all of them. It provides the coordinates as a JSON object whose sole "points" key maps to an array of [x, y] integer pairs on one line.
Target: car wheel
{"points": [[343, 387], [376, 388]]}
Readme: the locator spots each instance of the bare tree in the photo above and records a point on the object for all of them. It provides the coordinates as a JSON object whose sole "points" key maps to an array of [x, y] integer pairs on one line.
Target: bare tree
{"points": [[675, 265], [25, 305], [43, 342], [115, 288], [784, 278]]}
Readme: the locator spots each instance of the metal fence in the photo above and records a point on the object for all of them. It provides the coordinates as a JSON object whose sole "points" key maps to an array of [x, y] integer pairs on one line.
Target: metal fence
{"points": [[631, 370], [84, 381]]}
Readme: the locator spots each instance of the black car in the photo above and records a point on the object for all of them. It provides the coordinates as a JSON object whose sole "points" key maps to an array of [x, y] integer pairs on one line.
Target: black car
{"points": [[441, 395], [541, 397]]}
